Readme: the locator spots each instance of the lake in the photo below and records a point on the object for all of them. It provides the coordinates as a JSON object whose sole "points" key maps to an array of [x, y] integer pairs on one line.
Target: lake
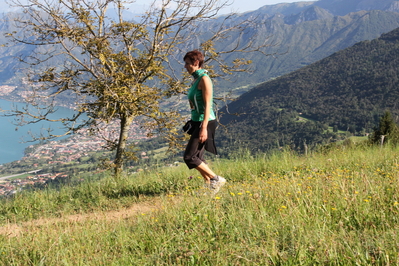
{"points": [[13, 139]]}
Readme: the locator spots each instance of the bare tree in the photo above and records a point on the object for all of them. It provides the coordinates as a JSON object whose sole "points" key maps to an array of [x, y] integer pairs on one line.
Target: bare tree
{"points": [[117, 69]]}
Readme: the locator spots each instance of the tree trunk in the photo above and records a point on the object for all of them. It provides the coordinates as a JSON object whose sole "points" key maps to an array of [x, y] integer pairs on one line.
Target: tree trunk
{"points": [[382, 140], [125, 124]]}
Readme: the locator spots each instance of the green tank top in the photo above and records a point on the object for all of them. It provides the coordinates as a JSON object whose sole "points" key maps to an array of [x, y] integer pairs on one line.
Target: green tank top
{"points": [[196, 100]]}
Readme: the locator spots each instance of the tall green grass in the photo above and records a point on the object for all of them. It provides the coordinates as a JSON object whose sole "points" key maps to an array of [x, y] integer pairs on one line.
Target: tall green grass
{"points": [[336, 208]]}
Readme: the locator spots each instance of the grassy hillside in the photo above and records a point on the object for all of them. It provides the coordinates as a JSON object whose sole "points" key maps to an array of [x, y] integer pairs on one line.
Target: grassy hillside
{"points": [[336, 208]]}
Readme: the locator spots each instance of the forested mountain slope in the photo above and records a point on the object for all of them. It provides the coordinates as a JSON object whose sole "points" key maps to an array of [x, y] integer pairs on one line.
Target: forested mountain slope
{"points": [[347, 91]]}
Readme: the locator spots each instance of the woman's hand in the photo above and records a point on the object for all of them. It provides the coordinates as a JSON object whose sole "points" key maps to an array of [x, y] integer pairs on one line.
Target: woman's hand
{"points": [[203, 135]]}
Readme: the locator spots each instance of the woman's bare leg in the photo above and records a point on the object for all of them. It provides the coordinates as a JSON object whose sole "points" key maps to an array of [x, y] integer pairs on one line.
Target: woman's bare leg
{"points": [[206, 172]]}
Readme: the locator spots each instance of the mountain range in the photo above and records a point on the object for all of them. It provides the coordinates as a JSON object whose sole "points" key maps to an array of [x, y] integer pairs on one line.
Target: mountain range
{"points": [[304, 32], [341, 95], [298, 33]]}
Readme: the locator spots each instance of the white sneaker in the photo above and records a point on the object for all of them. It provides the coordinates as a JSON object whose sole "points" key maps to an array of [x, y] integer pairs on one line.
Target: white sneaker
{"points": [[216, 183]]}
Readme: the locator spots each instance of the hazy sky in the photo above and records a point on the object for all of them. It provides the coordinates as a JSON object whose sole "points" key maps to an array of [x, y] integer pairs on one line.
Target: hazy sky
{"points": [[238, 5]]}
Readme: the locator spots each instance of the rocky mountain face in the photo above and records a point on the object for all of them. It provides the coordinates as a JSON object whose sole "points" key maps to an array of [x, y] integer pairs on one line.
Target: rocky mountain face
{"points": [[335, 7], [310, 14], [343, 7], [9, 64], [393, 7]]}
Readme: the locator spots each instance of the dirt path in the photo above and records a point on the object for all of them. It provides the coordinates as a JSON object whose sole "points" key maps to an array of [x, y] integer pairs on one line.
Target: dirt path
{"points": [[15, 229]]}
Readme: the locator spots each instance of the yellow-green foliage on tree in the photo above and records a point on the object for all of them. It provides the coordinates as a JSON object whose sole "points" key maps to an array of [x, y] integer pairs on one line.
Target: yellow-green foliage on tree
{"points": [[117, 69]]}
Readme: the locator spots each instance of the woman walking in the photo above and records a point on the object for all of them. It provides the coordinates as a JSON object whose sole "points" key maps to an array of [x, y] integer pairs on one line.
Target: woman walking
{"points": [[203, 121]]}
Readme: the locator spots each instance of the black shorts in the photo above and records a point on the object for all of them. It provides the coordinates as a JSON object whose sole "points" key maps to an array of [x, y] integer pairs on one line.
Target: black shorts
{"points": [[194, 153]]}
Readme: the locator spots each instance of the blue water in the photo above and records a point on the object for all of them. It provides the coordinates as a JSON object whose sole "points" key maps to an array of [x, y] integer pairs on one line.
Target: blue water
{"points": [[13, 139]]}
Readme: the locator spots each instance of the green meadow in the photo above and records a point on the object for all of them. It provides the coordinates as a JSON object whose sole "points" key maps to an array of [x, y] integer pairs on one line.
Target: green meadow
{"points": [[337, 207]]}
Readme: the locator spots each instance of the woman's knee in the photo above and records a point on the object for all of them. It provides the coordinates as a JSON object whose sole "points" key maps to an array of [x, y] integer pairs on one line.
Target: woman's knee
{"points": [[191, 162], [187, 159]]}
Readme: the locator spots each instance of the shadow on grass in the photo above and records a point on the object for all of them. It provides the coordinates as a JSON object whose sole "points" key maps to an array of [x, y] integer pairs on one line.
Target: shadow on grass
{"points": [[137, 191]]}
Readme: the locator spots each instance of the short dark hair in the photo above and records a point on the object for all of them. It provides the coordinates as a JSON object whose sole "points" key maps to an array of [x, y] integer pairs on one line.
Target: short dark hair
{"points": [[195, 55]]}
